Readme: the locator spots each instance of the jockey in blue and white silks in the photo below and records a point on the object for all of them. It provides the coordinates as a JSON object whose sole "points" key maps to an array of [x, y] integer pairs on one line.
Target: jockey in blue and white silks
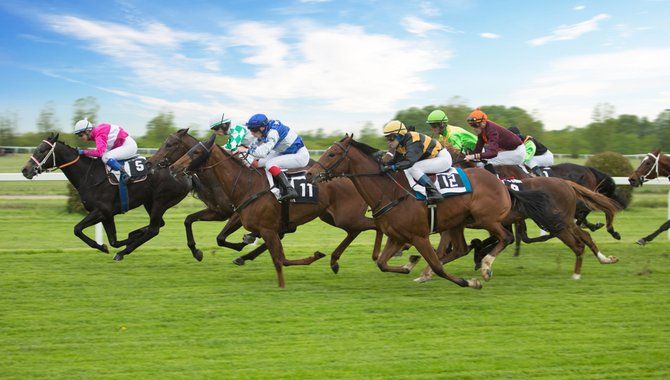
{"points": [[278, 147]]}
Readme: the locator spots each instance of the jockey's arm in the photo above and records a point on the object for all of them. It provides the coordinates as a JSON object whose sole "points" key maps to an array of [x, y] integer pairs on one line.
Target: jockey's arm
{"points": [[414, 153], [100, 144], [263, 149]]}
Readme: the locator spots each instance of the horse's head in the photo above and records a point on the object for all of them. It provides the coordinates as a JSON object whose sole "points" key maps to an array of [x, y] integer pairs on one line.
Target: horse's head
{"points": [[175, 146], [333, 162], [194, 158], [648, 169], [43, 158]]}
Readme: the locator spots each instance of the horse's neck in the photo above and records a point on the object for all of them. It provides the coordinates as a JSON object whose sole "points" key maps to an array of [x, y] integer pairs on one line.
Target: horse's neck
{"points": [[77, 172], [237, 181], [375, 190]]}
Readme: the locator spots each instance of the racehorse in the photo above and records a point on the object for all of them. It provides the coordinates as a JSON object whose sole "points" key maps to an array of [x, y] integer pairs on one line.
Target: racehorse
{"points": [[157, 193], [249, 192], [406, 220], [564, 196], [654, 165], [339, 205]]}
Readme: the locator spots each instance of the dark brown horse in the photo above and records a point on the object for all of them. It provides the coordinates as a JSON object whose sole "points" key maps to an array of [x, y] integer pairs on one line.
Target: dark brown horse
{"points": [[405, 219], [248, 190], [564, 196], [655, 165], [157, 193]]}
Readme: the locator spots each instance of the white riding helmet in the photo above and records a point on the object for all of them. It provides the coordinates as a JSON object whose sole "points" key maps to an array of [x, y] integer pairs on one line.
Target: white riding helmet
{"points": [[82, 125]]}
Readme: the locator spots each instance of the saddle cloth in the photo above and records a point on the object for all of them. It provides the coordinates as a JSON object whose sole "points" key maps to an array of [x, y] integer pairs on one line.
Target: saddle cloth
{"points": [[546, 171], [513, 184], [452, 182], [135, 167], [307, 192]]}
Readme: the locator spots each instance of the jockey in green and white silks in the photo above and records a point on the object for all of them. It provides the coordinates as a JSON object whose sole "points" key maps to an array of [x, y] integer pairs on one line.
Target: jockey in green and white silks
{"points": [[277, 148], [452, 135], [237, 136], [537, 155]]}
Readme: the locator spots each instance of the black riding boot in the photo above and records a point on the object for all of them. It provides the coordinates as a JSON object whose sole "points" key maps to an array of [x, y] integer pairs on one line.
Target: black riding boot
{"points": [[432, 194], [537, 171], [287, 191], [490, 168]]}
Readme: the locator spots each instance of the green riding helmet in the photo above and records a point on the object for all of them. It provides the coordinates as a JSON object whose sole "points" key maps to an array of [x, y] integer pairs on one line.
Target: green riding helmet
{"points": [[437, 116]]}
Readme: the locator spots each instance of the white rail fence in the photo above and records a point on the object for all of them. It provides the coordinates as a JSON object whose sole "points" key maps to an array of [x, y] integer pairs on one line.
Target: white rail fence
{"points": [[58, 176]]}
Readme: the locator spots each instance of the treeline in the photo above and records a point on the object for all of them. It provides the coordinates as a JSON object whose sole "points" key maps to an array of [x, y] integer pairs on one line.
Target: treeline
{"points": [[626, 134]]}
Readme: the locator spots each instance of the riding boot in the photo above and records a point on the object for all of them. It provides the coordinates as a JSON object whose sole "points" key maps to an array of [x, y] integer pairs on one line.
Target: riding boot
{"points": [[432, 194], [115, 165], [537, 171], [287, 191], [490, 168]]}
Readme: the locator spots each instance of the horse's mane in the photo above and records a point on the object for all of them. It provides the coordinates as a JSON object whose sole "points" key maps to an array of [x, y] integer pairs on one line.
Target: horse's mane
{"points": [[364, 148]]}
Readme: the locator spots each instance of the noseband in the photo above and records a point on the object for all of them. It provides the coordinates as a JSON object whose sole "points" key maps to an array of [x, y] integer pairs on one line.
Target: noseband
{"points": [[643, 178], [327, 173]]}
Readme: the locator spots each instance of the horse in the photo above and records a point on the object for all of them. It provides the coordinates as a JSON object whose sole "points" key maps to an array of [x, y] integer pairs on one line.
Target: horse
{"points": [[654, 165], [157, 193], [260, 212], [339, 205], [405, 219]]}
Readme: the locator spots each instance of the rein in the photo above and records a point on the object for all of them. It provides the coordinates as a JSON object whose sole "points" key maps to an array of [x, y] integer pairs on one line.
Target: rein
{"points": [[657, 158], [51, 154]]}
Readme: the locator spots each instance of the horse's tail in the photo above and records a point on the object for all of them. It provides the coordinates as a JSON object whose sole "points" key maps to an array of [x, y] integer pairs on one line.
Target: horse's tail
{"points": [[607, 187], [539, 207], [597, 201]]}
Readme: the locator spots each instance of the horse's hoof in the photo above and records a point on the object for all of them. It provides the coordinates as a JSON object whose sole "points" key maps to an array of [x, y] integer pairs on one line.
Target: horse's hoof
{"points": [[118, 257], [239, 261], [422, 279], [335, 268], [487, 274], [414, 259], [613, 259], [475, 283], [641, 242], [197, 254], [319, 255], [104, 248], [478, 266], [576, 276], [616, 235]]}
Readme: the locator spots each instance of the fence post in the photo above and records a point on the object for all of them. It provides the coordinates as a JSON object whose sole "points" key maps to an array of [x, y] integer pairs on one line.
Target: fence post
{"points": [[98, 233]]}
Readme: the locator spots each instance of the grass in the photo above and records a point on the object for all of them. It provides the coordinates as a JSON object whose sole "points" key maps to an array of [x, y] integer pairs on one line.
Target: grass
{"points": [[67, 311]]}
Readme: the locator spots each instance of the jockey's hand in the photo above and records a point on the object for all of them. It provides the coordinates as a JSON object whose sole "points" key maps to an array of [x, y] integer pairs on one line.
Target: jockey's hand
{"points": [[242, 149], [469, 157], [254, 164], [80, 151], [389, 168]]}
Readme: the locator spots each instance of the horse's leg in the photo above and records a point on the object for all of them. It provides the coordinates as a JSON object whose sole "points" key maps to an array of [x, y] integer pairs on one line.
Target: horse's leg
{"points": [[586, 238], [110, 229], [609, 223], [422, 244], [571, 236], [240, 260], [647, 239], [519, 227], [92, 218], [445, 241], [155, 223], [390, 249], [378, 243], [207, 215], [482, 248], [504, 238], [335, 255], [276, 251], [234, 224]]}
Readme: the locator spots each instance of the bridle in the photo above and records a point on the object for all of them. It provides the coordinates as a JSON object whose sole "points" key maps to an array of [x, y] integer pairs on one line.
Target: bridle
{"points": [[52, 154], [327, 173], [657, 158]]}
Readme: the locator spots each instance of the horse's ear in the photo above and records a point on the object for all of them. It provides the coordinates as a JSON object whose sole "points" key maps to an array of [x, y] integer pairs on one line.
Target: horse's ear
{"points": [[182, 131], [210, 141], [55, 138]]}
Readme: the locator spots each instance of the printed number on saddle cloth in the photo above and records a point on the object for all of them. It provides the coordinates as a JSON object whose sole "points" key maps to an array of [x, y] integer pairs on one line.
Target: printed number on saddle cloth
{"points": [[546, 171], [307, 192], [513, 184], [448, 181], [136, 167]]}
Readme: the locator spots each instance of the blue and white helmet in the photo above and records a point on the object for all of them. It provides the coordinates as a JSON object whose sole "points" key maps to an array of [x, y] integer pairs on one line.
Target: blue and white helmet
{"points": [[257, 121], [82, 126]]}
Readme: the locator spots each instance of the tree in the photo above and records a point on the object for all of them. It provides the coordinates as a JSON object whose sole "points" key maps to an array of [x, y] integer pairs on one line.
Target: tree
{"points": [[158, 129], [87, 107], [602, 112], [8, 123], [46, 120]]}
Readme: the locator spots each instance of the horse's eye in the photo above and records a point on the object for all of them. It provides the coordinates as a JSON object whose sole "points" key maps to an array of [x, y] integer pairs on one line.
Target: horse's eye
{"points": [[331, 155]]}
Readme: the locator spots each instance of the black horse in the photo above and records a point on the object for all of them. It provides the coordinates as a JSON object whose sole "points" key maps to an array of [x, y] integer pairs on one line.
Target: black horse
{"points": [[157, 193]]}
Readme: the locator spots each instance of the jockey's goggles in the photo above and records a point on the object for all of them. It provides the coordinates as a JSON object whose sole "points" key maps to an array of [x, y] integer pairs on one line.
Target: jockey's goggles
{"points": [[391, 137]]}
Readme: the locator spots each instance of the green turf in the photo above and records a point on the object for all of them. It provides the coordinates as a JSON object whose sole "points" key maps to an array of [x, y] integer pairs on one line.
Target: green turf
{"points": [[69, 312]]}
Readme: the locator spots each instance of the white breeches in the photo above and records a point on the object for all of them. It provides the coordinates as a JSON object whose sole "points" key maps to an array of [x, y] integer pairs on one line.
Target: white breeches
{"points": [[509, 157], [296, 160], [123, 152], [546, 159], [437, 164]]}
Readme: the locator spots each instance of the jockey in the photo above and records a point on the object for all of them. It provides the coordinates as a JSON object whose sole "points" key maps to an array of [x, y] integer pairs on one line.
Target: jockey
{"points": [[237, 136], [112, 143], [495, 144], [457, 137], [418, 154], [537, 155], [278, 148]]}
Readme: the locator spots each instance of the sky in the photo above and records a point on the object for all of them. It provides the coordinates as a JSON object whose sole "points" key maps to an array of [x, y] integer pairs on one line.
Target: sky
{"points": [[334, 65]]}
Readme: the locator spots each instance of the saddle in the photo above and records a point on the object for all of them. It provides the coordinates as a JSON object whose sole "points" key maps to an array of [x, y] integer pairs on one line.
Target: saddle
{"points": [[135, 167], [452, 182]]}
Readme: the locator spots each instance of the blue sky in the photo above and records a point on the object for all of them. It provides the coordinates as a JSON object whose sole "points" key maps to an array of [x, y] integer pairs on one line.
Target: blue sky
{"points": [[332, 64]]}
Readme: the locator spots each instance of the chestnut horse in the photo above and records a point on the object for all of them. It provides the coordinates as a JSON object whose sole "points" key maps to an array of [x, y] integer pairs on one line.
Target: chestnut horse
{"points": [[249, 192], [654, 165], [406, 220]]}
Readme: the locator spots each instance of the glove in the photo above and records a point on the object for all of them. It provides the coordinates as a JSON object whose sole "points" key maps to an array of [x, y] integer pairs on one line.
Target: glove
{"points": [[389, 168], [254, 164], [80, 152]]}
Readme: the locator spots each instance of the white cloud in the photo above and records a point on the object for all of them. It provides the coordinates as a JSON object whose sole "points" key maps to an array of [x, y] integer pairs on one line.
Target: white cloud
{"points": [[335, 69], [634, 81], [570, 32], [579, 8], [419, 27], [488, 35]]}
